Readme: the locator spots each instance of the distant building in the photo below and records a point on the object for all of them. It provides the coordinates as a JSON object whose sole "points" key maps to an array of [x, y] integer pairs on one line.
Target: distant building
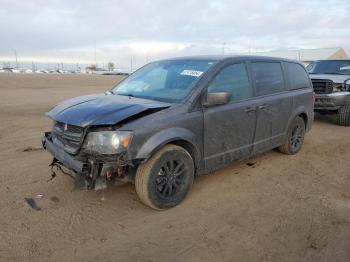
{"points": [[306, 56]]}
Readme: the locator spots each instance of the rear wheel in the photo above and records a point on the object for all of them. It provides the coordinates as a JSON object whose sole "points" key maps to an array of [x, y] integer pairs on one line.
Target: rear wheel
{"points": [[295, 137], [165, 179], [343, 115]]}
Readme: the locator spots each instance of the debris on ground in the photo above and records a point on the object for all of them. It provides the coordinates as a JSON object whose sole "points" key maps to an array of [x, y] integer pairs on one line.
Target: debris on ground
{"points": [[55, 199], [30, 148], [31, 202], [39, 196]]}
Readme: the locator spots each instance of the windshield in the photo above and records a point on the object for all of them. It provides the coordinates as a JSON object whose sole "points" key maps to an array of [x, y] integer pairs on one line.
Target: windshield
{"points": [[329, 67], [170, 80]]}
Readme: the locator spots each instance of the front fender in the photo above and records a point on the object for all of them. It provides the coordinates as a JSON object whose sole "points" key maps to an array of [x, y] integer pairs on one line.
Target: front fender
{"points": [[163, 137]]}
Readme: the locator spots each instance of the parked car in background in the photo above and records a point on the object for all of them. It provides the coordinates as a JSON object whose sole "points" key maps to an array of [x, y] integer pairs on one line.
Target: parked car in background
{"points": [[177, 118], [117, 73], [331, 83]]}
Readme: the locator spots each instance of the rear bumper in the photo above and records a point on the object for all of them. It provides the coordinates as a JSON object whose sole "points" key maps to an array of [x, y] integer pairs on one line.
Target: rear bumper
{"points": [[331, 101]]}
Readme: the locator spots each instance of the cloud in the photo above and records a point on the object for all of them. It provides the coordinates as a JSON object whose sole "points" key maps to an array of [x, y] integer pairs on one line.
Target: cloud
{"points": [[150, 29]]}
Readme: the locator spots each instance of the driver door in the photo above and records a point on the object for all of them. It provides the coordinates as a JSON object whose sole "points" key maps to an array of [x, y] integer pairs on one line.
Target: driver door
{"points": [[229, 129]]}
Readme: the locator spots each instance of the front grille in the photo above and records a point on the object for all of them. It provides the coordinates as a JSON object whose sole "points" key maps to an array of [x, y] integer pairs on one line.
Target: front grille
{"points": [[322, 86], [68, 136]]}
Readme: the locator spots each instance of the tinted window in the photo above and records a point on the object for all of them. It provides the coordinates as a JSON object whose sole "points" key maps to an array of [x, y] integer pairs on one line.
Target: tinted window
{"points": [[297, 76], [234, 80], [268, 78], [341, 67]]}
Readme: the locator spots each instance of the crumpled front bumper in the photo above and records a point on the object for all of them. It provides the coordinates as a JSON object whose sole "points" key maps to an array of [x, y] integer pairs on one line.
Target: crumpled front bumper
{"points": [[85, 174], [331, 101], [62, 156]]}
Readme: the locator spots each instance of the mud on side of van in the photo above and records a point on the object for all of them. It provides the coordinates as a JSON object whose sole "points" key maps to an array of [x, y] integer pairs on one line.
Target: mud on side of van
{"points": [[177, 118]]}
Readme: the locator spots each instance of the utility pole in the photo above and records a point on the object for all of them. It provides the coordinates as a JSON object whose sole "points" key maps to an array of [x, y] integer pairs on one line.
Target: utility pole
{"points": [[95, 54], [223, 48], [130, 65], [16, 59]]}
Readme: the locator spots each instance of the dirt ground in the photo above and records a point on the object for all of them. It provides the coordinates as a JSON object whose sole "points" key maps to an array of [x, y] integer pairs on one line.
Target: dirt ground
{"points": [[281, 208]]}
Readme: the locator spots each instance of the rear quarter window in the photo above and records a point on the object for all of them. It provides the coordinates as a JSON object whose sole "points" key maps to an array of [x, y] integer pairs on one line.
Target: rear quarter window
{"points": [[297, 76], [268, 77]]}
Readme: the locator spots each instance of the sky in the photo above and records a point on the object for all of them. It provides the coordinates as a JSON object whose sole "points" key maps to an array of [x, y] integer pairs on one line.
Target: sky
{"points": [[136, 32]]}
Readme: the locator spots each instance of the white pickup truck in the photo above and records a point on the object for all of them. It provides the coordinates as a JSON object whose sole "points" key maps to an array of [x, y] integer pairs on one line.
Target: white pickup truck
{"points": [[331, 83]]}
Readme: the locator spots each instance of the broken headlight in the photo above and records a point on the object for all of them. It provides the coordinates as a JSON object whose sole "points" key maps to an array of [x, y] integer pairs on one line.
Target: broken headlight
{"points": [[107, 142], [339, 87]]}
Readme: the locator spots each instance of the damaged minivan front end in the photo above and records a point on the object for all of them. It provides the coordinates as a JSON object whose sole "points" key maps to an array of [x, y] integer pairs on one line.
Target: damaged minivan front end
{"points": [[174, 119], [86, 142]]}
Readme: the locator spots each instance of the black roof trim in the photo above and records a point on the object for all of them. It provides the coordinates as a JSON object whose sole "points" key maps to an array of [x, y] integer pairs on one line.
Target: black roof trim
{"points": [[232, 57]]}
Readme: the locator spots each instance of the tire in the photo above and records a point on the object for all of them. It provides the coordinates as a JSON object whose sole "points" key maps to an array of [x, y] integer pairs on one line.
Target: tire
{"points": [[164, 180], [343, 115], [295, 137]]}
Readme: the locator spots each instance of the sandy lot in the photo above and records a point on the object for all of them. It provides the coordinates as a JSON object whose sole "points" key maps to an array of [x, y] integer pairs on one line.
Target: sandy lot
{"points": [[283, 208]]}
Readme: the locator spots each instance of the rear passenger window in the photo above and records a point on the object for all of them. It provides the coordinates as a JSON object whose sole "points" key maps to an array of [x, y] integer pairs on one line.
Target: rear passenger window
{"points": [[234, 80], [297, 76], [268, 78]]}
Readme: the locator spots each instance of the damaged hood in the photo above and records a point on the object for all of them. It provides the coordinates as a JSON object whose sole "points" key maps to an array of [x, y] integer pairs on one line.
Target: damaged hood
{"points": [[335, 78], [101, 109]]}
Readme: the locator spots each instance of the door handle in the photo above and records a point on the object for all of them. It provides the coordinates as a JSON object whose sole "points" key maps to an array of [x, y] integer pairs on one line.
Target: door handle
{"points": [[264, 106], [249, 109]]}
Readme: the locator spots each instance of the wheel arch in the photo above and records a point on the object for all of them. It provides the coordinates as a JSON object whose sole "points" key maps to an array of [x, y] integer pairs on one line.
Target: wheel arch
{"points": [[305, 118], [177, 136], [190, 148], [303, 113]]}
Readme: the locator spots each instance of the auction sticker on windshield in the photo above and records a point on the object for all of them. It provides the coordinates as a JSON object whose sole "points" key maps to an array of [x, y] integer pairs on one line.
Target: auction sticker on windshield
{"points": [[191, 73]]}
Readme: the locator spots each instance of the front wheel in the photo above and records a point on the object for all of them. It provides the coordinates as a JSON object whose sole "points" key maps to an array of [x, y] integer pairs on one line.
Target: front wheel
{"points": [[295, 137], [343, 115], [164, 180]]}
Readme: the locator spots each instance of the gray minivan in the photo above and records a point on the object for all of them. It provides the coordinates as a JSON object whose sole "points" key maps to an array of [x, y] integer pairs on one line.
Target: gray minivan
{"points": [[177, 118]]}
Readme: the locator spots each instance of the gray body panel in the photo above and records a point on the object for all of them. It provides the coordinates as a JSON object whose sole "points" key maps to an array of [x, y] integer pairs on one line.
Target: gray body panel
{"points": [[272, 120], [228, 133]]}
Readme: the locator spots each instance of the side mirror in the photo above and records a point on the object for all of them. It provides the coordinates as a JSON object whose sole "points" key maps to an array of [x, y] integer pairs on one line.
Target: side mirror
{"points": [[217, 98]]}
